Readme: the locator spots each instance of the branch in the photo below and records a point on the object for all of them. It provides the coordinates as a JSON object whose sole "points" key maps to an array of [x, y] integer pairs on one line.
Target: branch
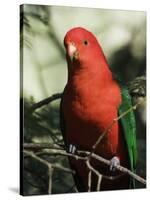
{"points": [[90, 177], [84, 155], [118, 167], [137, 87], [39, 146], [89, 180], [49, 165], [50, 174], [46, 101]]}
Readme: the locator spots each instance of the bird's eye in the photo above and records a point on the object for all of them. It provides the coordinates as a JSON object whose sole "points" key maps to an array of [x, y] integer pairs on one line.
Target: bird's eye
{"points": [[85, 42]]}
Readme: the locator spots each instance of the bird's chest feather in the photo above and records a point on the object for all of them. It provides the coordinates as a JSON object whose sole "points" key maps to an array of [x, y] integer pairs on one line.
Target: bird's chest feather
{"points": [[89, 111], [91, 102]]}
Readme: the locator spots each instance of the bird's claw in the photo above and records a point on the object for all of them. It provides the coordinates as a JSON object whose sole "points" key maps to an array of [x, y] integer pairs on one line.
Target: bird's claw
{"points": [[72, 149], [114, 162]]}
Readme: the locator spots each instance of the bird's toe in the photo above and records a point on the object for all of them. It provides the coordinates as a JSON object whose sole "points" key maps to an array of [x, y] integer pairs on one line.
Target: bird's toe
{"points": [[72, 149], [114, 162]]}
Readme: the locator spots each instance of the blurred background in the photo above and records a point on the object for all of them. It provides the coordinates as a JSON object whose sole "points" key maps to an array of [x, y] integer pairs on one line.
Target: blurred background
{"points": [[122, 35]]}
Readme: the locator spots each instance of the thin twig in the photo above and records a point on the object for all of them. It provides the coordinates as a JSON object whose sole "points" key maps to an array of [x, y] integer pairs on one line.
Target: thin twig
{"points": [[46, 101], [99, 176], [112, 123], [50, 174], [89, 180], [49, 165], [38, 146]]}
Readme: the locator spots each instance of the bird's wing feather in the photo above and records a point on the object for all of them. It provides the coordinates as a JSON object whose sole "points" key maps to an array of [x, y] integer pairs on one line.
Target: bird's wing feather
{"points": [[129, 128]]}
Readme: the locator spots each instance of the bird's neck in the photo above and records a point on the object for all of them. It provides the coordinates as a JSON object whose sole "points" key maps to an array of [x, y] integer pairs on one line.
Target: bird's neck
{"points": [[95, 73]]}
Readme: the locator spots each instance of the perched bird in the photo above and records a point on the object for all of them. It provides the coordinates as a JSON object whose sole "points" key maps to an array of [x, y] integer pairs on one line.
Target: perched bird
{"points": [[90, 102]]}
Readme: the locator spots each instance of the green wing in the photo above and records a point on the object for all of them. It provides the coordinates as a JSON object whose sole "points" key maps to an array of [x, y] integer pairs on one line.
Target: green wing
{"points": [[129, 128]]}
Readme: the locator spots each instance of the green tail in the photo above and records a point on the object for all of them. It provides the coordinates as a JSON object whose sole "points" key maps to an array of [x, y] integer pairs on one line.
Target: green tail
{"points": [[129, 126]]}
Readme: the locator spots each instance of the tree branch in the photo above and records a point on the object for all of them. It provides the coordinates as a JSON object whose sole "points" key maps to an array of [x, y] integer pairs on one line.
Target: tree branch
{"points": [[46, 101], [50, 174], [118, 167], [84, 155], [137, 87], [39, 146], [89, 180], [90, 176], [49, 165]]}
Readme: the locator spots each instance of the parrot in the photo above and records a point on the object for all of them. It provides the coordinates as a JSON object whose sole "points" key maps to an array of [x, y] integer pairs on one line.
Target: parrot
{"points": [[91, 100]]}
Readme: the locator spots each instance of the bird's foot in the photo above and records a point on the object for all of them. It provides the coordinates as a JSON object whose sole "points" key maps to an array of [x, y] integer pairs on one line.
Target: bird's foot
{"points": [[114, 162], [72, 149]]}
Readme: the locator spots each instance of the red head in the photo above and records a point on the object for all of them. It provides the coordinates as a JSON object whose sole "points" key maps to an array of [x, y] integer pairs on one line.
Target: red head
{"points": [[85, 56], [82, 46]]}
